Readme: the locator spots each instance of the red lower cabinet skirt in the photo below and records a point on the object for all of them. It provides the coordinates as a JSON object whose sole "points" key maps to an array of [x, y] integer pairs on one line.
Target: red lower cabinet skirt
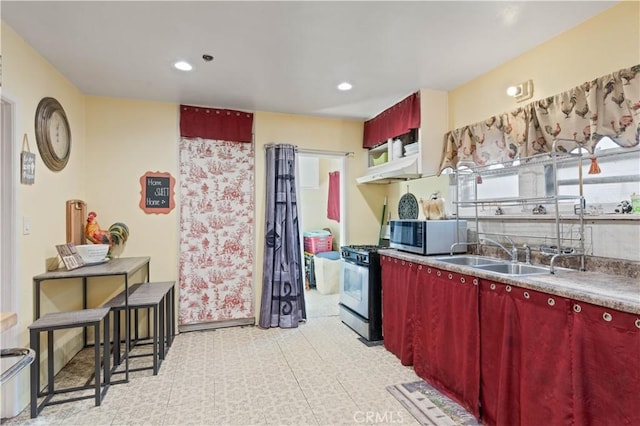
{"points": [[398, 307], [447, 334], [498, 385], [606, 365], [513, 356], [526, 371], [421, 361]]}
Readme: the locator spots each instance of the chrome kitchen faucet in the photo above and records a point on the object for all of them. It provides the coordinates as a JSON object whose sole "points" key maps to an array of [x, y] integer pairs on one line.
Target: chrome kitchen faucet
{"points": [[513, 253]]}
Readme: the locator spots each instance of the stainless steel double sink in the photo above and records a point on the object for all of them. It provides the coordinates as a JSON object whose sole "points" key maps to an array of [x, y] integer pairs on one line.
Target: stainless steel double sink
{"points": [[498, 266]]}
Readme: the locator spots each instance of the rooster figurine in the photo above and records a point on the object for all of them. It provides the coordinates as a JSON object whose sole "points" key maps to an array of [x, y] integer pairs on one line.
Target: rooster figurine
{"points": [[116, 235]]}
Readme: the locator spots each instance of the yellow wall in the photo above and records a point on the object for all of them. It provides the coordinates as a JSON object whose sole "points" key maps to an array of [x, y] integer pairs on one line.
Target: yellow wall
{"points": [[26, 79], [125, 139], [605, 43]]}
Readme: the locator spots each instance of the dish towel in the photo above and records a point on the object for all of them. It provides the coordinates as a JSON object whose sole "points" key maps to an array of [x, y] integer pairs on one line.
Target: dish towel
{"points": [[333, 203]]}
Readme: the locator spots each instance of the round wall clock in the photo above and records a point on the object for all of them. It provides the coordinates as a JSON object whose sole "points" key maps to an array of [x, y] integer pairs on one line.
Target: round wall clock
{"points": [[53, 134]]}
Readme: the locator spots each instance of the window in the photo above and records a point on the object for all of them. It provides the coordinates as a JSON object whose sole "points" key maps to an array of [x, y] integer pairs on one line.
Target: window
{"points": [[619, 177]]}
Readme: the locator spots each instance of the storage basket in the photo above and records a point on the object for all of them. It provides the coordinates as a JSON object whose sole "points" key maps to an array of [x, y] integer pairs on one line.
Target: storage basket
{"points": [[318, 244], [380, 159]]}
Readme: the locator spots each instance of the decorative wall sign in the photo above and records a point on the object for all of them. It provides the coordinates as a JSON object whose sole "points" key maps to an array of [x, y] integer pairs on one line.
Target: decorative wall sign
{"points": [[27, 163], [157, 192], [70, 256]]}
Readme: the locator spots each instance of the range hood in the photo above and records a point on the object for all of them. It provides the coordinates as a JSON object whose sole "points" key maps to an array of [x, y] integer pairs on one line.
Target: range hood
{"points": [[404, 168]]}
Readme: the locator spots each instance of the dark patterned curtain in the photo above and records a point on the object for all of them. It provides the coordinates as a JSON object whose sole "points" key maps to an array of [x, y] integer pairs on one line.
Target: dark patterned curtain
{"points": [[282, 284]]}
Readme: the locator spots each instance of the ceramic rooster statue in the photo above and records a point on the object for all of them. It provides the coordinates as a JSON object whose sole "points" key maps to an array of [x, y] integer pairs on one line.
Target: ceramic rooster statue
{"points": [[116, 235]]}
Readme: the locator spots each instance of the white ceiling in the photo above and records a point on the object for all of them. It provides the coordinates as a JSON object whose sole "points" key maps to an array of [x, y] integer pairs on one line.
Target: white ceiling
{"points": [[285, 56]]}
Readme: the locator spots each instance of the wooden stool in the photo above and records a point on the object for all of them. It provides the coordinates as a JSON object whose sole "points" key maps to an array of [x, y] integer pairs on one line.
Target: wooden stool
{"points": [[158, 297], [61, 320]]}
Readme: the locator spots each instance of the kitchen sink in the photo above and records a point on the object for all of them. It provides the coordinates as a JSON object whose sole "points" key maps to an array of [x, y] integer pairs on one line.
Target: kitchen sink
{"points": [[469, 260], [499, 266], [519, 269]]}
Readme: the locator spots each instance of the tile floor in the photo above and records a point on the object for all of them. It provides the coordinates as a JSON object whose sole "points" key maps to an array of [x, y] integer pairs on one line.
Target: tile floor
{"points": [[316, 374]]}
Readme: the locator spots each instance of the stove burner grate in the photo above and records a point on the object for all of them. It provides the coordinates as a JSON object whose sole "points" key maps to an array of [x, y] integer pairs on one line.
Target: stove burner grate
{"points": [[362, 248]]}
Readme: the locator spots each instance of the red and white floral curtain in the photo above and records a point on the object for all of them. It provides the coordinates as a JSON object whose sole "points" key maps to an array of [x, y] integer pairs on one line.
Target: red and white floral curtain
{"points": [[216, 217], [606, 106]]}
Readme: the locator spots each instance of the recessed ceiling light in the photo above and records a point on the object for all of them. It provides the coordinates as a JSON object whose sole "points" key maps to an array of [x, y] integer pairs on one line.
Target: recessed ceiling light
{"points": [[183, 66], [345, 86], [510, 15]]}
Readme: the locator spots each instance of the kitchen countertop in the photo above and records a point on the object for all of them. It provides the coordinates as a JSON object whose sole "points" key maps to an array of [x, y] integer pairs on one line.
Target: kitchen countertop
{"points": [[612, 291]]}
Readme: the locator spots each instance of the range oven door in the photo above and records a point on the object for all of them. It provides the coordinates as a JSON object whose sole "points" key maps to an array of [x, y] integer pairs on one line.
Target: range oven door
{"points": [[354, 288]]}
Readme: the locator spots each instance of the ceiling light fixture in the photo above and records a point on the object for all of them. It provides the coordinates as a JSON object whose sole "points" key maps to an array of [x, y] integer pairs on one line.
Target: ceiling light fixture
{"points": [[344, 86], [183, 66], [522, 91], [512, 91]]}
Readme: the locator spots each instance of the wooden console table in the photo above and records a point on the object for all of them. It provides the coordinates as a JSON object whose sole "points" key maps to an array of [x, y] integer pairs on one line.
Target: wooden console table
{"points": [[124, 267]]}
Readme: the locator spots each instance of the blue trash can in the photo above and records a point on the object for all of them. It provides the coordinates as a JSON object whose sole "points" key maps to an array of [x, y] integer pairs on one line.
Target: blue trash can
{"points": [[332, 255]]}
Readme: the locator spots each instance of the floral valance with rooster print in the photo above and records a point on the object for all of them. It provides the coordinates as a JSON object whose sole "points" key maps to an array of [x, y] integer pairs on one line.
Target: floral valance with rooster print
{"points": [[607, 106]]}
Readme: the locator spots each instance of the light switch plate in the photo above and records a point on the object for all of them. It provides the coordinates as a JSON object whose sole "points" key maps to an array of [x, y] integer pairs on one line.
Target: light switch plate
{"points": [[26, 225]]}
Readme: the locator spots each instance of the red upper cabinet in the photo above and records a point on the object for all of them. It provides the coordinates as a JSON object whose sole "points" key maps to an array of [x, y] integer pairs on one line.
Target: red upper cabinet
{"points": [[401, 118], [406, 141]]}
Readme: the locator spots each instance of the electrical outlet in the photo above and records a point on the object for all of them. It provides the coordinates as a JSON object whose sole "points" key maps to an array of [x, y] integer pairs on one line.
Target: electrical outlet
{"points": [[26, 225]]}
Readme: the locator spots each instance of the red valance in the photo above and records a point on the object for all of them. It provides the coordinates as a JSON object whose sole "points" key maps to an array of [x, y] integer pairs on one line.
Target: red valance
{"points": [[394, 121], [216, 124]]}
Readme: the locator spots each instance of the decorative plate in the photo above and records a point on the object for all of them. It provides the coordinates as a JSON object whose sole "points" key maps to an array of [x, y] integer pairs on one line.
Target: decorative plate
{"points": [[408, 207]]}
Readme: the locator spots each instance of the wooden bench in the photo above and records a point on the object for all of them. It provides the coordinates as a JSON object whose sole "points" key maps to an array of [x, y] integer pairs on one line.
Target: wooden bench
{"points": [[62, 320]]}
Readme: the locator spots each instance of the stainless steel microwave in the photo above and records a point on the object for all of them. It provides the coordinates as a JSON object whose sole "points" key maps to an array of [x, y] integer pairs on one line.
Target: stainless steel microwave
{"points": [[428, 236]]}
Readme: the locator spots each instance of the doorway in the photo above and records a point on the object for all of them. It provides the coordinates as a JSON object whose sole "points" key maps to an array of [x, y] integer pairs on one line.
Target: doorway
{"points": [[9, 176], [321, 269]]}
